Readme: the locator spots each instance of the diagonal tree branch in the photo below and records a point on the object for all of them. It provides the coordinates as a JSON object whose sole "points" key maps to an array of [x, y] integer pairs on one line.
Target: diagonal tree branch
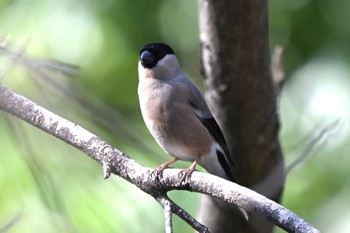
{"points": [[116, 162]]}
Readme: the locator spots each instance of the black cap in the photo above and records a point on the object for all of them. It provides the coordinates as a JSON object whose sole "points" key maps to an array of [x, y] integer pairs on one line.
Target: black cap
{"points": [[150, 54]]}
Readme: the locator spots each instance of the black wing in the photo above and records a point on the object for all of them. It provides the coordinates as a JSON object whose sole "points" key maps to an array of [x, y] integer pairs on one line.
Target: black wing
{"points": [[215, 131], [224, 159], [203, 113]]}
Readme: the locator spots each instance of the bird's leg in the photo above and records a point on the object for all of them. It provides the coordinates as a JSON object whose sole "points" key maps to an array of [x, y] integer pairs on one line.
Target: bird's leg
{"points": [[159, 170], [186, 173]]}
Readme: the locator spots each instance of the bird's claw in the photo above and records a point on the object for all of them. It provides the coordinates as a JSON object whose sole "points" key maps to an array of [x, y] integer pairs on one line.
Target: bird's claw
{"points": [[185, 175], [158, 172]]}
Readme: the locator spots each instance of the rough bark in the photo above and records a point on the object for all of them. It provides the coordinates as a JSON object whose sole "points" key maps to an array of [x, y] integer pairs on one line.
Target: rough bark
{"points": [[236, 67]]}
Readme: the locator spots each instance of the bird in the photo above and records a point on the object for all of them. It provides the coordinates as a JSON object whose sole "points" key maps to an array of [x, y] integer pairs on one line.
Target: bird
{"points": [[177, 115]]}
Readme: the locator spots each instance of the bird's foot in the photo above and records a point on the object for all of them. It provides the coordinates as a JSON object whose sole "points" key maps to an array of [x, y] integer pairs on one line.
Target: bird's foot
{"points": [[158, 172], [186, 173]]}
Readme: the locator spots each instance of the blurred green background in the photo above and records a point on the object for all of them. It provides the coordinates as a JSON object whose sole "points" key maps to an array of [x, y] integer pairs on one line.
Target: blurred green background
{"points": [[47, 186]]}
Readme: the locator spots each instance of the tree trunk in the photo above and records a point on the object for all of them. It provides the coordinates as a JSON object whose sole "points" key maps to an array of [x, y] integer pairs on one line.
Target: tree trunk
{"points": [[236, 67]]}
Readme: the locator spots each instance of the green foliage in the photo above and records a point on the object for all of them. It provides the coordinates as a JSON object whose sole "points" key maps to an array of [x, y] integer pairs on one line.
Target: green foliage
{"points": [[46, 186]]}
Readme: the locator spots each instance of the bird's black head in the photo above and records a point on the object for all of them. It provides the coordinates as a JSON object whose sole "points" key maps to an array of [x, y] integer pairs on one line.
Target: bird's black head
{"points": [[150, 54]]}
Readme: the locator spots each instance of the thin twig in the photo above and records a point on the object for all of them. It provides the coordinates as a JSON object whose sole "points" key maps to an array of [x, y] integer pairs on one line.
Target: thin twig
{"points": [[38, 64], [168, 214], [168, 218], [10, 223], [308, 149], [165, 202]]}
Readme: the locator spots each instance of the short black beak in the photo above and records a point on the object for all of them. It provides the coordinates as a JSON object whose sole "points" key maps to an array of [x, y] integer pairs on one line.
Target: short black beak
{"points": [[147, 59]]}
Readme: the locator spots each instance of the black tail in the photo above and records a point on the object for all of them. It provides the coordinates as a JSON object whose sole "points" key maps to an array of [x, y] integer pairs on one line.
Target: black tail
{"points": [[225, 165], [229, 173]]}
